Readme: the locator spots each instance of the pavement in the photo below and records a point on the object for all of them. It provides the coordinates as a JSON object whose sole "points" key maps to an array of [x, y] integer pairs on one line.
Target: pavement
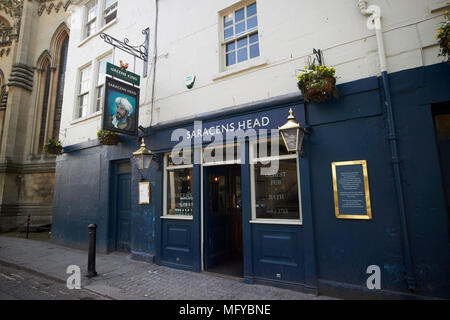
{"points": [[17, 284], [120, 277]]}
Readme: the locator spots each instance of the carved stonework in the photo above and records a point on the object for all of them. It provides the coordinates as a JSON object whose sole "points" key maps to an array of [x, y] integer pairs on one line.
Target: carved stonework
{"points": [[21, 76], [12, 7], [49, 5]]}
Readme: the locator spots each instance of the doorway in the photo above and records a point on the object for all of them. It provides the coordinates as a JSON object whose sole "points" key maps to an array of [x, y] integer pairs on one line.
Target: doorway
{"points": [[223, 250]]}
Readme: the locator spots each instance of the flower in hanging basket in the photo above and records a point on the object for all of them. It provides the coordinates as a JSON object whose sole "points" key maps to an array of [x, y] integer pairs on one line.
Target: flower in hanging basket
{"points": [[53, 147], [107, 137], [317, 83], [443, 37]]}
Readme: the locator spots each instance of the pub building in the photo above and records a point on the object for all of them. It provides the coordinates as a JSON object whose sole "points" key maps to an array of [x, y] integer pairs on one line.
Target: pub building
{"points": [[295, 228], [238, 175]]}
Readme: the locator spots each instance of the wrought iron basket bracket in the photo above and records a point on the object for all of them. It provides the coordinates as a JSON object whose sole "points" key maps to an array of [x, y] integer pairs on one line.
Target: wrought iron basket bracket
{"points": [[140, 51], [318, 54]]}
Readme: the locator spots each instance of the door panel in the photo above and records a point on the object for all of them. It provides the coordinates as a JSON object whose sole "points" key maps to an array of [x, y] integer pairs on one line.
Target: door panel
{"points": [[123, 196]]}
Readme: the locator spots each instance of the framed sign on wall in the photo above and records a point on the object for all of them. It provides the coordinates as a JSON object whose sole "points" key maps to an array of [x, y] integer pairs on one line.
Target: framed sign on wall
{"points": [[351, 190]]}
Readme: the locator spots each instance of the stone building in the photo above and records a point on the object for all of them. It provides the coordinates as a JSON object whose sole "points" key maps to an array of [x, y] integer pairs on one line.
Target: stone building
{"points": [[34, 39]]}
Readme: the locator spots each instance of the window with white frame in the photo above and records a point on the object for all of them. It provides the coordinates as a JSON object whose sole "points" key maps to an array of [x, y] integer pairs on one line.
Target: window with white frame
{"points": [[178, 185], [110, 12], [275, 183], [100, 87], [98, 14], [83, 92], [91, 18], [240, 35]]}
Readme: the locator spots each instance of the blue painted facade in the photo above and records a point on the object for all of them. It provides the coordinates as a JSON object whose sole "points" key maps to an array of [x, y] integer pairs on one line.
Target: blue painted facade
{"points": [[324, 254]]}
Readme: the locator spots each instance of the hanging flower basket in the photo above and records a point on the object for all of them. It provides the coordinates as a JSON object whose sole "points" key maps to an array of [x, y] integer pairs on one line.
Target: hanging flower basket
{"points": [[107, 137], [53, 147], [317, 83], [443, 37]]}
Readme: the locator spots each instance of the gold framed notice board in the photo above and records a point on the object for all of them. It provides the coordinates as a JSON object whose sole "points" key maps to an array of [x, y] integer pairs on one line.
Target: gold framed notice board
{"points": [[351, 190]]}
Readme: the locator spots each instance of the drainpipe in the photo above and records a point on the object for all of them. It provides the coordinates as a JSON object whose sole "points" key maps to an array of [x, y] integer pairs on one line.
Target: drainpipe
{"points": [[374, 22], [155, 56]]}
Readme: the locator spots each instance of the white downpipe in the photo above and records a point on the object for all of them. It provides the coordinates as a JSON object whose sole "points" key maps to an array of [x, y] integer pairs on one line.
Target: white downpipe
{"points": [[374, 22]]}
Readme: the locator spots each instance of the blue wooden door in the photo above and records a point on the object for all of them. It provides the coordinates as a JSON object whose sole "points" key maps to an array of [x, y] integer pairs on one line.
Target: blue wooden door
{"points": [[217, 216], [123, 207]]}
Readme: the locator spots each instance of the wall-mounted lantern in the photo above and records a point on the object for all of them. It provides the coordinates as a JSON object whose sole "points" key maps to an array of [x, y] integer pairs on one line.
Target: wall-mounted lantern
{"points": [[291, 131], [143, 157]]}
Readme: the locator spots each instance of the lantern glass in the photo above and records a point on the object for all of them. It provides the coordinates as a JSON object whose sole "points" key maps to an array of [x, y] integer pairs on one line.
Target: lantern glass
{"points": [[147, 160], [139, 161], [290, 137]]}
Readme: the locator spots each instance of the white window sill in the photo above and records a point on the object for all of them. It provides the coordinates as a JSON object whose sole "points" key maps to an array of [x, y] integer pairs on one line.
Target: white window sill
{"points": [[106, 26], [177, 217], [277, 221], [250, 64], [88, 117]]}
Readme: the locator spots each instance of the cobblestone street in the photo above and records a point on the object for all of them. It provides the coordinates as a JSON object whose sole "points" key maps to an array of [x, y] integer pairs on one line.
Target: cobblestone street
{"points": [[122, 278]]}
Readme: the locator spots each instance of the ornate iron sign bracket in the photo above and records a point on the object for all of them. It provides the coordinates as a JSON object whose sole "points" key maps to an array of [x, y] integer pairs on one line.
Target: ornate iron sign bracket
{"points": [[140, 51]]}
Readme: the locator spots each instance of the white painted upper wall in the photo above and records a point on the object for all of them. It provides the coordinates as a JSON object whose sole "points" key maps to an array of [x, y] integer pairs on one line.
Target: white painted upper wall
{"points": [[189, 43]]}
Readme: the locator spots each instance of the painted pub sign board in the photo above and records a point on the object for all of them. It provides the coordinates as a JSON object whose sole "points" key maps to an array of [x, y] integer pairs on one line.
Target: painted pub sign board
{"points": [[121, 107], [351, 190]]}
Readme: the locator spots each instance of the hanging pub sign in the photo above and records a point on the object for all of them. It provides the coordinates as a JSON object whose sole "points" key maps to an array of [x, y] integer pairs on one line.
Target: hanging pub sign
{"points": [[121, 107], [123, 74], [351, 190]]}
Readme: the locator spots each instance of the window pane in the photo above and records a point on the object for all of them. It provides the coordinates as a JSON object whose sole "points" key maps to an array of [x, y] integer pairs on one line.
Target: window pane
{"points": [[277, 195], [100, 92], [231, 46], [181, 157], [263, 148], [242, 42], [83, 105], [251, 9], [179, 192], [242, 54], [227, 21], [84, 80], [252, 23], [92, 11], [253, 37], [231, 58], [240, 27], [90, 28], [228, 33], [239, 15], [110, 17], [102, 69], [109, 3], [254, 51]]}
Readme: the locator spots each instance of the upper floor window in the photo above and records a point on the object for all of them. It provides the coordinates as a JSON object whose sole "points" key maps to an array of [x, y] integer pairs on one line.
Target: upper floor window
{"points": [[240, 35], [83, 92], [110, 12], [91, 18], [98, 14], [100, 87]]}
